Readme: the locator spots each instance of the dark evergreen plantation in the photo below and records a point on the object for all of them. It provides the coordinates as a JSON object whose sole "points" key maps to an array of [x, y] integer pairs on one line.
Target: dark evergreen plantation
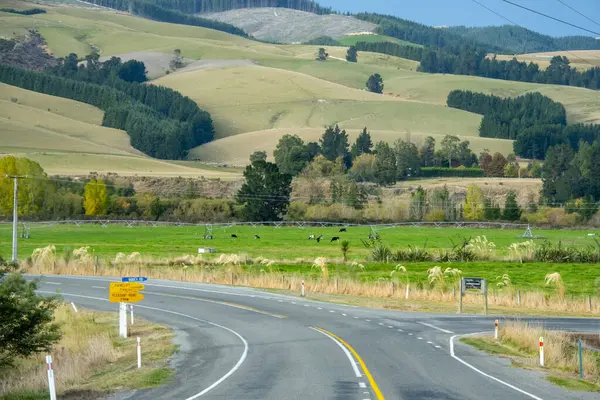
{"points": [[393, 49], [160, 121], [535, 122]]}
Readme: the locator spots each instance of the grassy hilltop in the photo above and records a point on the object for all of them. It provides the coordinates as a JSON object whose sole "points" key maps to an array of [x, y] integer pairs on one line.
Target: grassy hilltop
{"points": [[281, 90]]}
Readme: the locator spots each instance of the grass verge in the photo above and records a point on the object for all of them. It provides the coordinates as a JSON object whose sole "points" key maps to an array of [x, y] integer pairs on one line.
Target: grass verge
{"points": [[519, 342], [91, 360]]}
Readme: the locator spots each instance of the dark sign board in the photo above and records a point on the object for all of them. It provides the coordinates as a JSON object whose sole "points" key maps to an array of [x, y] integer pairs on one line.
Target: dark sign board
{"points": [[473, 283]]}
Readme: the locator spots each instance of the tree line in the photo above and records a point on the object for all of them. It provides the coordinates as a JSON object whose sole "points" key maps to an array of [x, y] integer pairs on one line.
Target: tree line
{"points": [[160, 122], [534, 121], [519, 40], [393, 49], [472, 60], [29, 11]]}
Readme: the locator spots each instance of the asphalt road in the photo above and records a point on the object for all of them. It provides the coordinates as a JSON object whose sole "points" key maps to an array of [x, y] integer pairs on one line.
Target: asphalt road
{"points": [[239, 343]]}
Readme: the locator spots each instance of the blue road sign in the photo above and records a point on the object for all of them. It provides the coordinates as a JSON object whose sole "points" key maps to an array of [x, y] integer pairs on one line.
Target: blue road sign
{"points": [[134, 279]]}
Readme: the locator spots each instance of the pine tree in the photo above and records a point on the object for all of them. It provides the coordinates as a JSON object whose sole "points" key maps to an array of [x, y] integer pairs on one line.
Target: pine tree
{"points": [[512, 211], [375, 84], [363, 144], [351, 54]]}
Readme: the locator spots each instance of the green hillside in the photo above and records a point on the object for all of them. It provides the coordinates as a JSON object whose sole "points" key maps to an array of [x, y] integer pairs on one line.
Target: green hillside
{"points": [[286, 92], [349, 40]]}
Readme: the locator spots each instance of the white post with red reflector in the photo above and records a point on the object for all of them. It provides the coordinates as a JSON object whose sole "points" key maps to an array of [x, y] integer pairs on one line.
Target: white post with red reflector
{"points": [[302, 294], [496, 329], [51, 384], [541, 351], [131, 311]]}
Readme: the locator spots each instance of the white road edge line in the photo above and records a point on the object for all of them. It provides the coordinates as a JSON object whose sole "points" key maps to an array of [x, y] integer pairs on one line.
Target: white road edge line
{"points": [[483, 373], [435, 327], [52, 283], [224, 377], [354, 367], [362, 384], [99, 287]]}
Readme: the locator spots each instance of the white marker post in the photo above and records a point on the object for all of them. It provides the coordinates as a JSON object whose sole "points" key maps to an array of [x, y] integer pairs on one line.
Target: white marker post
{"points": [[74, 308], [51, 385], [541, 351], [302, 294], [131, 312], [496, 329], [123, 320], [139, 353]]}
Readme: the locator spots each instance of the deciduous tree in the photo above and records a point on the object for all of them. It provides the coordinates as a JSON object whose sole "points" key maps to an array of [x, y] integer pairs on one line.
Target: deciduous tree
{"points": [[474, 207], [95, 198], [291, 155]]}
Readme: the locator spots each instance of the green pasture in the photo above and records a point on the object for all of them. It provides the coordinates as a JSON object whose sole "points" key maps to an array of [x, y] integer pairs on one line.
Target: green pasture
{"points": [[293, 253], [353, 39]]}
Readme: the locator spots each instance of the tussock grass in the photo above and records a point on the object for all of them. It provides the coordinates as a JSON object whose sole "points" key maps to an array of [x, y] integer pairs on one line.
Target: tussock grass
{"points": [[520, 342], [91, 357]]}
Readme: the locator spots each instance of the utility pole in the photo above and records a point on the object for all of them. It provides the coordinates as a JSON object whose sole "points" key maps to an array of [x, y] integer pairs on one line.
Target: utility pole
{"points": [[15, 219]]}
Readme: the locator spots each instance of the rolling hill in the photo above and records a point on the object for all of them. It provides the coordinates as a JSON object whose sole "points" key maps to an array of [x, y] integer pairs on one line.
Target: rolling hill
{"points": [[66, 138], [580, 59], [255, 92]]}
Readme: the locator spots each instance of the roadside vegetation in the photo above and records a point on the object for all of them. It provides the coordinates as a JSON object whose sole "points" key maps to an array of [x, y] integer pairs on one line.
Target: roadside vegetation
{"points": [[91, 360], [519, 341]]}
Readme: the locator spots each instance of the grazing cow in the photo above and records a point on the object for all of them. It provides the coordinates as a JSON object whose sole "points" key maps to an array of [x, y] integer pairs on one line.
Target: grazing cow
{"points": [[343, 230], [311, 237], [233, 235], [319, 238], [335, 239], [256, 236]]}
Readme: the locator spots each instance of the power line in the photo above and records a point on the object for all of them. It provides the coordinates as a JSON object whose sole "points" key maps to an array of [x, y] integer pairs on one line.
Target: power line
{"points": [[551, 17], [514, 23], [583, 15]]}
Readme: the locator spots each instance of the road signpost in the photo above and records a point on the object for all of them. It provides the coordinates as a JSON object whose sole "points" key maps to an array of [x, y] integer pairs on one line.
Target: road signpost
{"points": [[479, 284], [125, 292], [134, 279]]}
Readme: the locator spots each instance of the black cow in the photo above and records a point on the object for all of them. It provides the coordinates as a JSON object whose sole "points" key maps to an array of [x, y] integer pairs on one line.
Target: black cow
{"points": [[319, 238], [256, 236], [335, 239], [233, 235], [343, 230]]}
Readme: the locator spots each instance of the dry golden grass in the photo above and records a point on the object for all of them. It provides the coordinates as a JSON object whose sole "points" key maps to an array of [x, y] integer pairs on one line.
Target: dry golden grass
{"points": [[227, 269], [91, 357], [520, 342]]}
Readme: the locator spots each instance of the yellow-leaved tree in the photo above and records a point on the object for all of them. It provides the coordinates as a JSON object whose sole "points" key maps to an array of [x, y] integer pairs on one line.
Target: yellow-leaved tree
{"points": [[32, 185], [95, 198], [474, 206]]}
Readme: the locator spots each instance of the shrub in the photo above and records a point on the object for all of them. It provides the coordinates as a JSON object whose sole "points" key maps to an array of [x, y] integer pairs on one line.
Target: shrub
{"points": [[435, 216], [434, 172], [413, 253], [481, 247], [381, 253], [320, 263], [522, 251]]}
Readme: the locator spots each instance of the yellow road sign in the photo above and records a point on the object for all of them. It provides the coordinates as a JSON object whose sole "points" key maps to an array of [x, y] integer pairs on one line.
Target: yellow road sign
{"points": [[125, 297], [126, 286], [125, 292]]}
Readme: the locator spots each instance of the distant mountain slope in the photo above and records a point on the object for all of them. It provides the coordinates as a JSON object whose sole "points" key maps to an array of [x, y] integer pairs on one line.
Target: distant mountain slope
{"points": [[285, 25], [520, 40]]}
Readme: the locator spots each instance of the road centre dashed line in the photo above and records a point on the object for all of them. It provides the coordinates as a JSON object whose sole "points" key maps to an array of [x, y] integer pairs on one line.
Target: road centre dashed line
{"points": [[53, 283], [99, 287], [362, 385]]}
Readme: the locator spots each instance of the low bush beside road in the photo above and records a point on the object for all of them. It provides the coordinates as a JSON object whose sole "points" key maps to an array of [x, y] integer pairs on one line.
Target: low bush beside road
{"points": [[91, 360]]}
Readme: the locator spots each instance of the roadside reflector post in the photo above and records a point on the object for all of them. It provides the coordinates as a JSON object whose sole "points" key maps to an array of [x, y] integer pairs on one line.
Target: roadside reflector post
{"points": [[393, 288], [407, 291], [131, 312], [302, 294], [123, 320], [460, 295], [580, 351], [51, 385], [589, 303], [73, 305], [519, 298], [541, 351], [496, 329], [484, 290], [139, 353]]}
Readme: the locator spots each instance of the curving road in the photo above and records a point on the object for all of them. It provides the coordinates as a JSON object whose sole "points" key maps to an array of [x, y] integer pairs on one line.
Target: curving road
{"points": [[240, 343]]}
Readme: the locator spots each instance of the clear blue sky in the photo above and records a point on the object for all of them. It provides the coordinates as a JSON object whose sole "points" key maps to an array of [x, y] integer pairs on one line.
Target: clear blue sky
{"points": [[466, 12]]}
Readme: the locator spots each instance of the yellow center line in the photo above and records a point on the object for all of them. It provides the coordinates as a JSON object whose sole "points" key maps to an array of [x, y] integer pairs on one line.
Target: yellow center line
{"points": [[225, 303], [378, 393]]}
